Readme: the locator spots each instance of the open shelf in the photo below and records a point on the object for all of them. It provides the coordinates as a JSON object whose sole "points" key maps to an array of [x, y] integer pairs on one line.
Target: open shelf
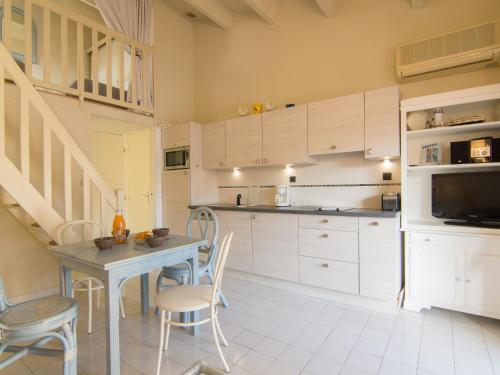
{"points": [[439, 227], [453, 166], [492, 125]]}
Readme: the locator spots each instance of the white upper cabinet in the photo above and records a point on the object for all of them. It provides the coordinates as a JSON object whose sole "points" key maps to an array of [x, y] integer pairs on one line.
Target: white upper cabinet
{"points": [[284, 136], [382, 123], [213, 145], [336, 125], [244, 142], [175, 136]]}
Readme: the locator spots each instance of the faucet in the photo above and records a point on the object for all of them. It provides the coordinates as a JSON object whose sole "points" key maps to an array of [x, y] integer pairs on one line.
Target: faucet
{"points": [[238, 200]]}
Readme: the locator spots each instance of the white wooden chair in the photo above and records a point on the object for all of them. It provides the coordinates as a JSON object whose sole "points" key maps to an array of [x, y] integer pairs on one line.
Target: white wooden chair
{"points": [[66, 234], [186, 298]]}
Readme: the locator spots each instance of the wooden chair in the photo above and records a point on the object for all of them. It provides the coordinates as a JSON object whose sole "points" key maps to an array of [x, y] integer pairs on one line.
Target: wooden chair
{"points": [[181, 273], [66, 234], [36, 323], [185, 298]]}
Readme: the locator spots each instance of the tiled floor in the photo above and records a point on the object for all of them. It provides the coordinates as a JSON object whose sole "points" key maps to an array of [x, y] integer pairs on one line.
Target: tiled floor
{"points": [[274, 332]]}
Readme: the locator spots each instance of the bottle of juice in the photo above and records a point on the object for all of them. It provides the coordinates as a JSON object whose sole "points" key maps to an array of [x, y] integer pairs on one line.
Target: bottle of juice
{"points": [[119, 230]]}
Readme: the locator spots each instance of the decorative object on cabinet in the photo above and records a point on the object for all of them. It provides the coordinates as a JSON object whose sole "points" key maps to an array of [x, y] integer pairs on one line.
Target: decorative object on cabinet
{"points": [[391, 202], [417, 120], [431, 154], [289, 105], [437, 119], [243, 110], [480, 150], [270, 105], [282, 196], [256, 108], [465, 120], [460, 152]]}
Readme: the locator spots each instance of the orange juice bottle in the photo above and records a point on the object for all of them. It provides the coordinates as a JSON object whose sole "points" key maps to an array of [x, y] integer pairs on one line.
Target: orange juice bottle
{"points": [[119, 230]]}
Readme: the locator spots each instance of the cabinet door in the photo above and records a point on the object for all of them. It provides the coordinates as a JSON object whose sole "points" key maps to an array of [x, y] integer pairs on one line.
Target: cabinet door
{"points": [[284, 136], [244, 142], [240, 253], [213, 146], [329, 274], [175, 136], [382, 123], [380, 258], [275, 245], [481, 283], [176, 199], [336, 125], [437, 276]]}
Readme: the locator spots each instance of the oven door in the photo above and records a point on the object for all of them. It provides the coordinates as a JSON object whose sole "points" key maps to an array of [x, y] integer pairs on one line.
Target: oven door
{"points": [[177, 158]]}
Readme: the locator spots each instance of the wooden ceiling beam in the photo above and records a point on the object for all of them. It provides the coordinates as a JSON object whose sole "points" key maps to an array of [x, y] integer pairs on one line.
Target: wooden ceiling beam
{"points": [[328, 7], [266, 9], [215, 11]]}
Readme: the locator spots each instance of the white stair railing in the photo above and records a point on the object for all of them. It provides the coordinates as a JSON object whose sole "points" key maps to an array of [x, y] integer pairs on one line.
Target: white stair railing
{"points": [[100, 68], [21, 188]]}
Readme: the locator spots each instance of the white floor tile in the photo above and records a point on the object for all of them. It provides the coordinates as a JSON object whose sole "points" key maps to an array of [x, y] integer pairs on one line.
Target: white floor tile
{"points": [[364, 361], [392, 368], [403, 349], [295, 357], [321, 365], [255, 362], [248, 339], [280, 368], [270, 347]]}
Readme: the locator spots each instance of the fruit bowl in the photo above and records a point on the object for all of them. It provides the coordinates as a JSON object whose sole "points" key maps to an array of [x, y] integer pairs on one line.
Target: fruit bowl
{"points": [[104, 243]]}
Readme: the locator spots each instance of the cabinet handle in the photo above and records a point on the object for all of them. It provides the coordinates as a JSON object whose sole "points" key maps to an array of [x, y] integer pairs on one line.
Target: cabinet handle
{"points": [[333, 147], [374, 223], [324, 265], [369, 151], [324, 235], [458, 279], [467, 281], [257, 161], [324, 221], [253, 217], [427, 240]]}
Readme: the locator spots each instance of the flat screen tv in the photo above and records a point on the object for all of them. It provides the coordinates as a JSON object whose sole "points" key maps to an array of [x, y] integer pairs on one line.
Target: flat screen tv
{"points": [[471, 198]]}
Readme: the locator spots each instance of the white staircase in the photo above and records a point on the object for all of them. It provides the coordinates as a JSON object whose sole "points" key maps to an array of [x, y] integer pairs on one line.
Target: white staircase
{"points": [[40, 205]]}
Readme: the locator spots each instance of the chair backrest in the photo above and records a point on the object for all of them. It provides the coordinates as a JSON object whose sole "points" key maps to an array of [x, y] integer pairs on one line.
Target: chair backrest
{"points": [[204, 216], [219, 267], [71, 225], [4, 303]]}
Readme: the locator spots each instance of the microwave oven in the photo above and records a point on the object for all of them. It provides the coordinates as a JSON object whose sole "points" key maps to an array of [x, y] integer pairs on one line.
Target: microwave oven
{"points": [[177, 158]]}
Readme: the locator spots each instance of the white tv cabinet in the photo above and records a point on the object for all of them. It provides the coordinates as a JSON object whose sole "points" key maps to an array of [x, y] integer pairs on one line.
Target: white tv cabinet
{"points": [[452, 267]]}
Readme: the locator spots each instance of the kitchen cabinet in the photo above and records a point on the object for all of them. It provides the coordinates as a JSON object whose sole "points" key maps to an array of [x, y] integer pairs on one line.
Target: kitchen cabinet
{"points": [[336, 125], [176, 199], [275, 245], [213, 144], [329, 274], [380, 257], [240, 254], [481, 283], [437, 276], [382, 123], [176, 135], [328, 244], [244, 142], [284, 136]]}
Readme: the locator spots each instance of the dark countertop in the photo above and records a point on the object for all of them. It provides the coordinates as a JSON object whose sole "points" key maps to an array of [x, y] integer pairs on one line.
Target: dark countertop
{"points": [[304, 210]]}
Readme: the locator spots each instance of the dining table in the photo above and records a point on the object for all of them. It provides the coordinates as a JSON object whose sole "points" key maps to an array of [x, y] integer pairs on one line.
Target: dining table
{"points": [[116, 265]]}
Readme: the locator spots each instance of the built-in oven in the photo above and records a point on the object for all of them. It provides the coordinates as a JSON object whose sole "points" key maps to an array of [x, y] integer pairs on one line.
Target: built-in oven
{"points": [[177, 158]]}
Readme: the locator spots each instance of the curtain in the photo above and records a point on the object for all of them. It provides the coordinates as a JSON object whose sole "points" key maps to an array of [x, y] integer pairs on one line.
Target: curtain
{"points": [[133, 18]]}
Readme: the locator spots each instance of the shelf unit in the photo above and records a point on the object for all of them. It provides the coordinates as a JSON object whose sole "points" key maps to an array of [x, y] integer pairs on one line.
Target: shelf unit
{"points": [[491, 125], [440, 167]]}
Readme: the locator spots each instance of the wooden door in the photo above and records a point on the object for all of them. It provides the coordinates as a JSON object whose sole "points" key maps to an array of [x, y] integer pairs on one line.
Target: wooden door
{"points": [[336, 125], [176, 198], [175, 136], [244, 142], [382, 123], [213, 145], [284, 136]]}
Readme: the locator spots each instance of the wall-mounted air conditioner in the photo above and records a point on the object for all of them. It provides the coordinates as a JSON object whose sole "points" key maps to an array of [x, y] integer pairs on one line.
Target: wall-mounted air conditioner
{"points": [[477, 44]]}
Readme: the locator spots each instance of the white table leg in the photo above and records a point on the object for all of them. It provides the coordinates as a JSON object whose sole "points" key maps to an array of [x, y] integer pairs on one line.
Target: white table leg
{"points": [[113, 325], [65, 281]]}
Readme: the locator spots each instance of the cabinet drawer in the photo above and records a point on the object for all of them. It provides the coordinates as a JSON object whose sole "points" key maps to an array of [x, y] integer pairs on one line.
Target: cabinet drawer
{"points": [[326, 222], [329, 274], [425, 239], [329, 244], [379, 239]]}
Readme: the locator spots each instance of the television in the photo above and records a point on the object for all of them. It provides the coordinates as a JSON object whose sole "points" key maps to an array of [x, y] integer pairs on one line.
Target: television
{"points": [[471, 198]]}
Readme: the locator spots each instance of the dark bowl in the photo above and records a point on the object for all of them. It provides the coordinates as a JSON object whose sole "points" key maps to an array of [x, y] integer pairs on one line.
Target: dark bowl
{"points": [[155, 241], [104, 243], [161, 232]]}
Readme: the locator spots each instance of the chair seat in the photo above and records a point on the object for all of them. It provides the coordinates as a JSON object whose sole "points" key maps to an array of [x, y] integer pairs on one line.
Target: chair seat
{"points": [[184, 298], [39, 312], [182, 269]]}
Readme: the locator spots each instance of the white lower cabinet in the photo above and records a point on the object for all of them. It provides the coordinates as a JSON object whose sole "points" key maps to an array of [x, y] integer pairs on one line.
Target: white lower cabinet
{"points": [[275, 245], [482, 292], [329, 244], [240, 223], [329, 274]]}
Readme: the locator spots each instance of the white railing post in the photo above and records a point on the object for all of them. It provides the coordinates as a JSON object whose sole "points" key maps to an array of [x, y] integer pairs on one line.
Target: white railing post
{"points": [[7, 23], [24, 134], [79, 61], [68, 198], [47, 66], [47, 162], [94, 68], [109, 67], [2, 109], [64, 50], [133, 81], [144, 80], [86, 197], [121, 70], [28, 42]]}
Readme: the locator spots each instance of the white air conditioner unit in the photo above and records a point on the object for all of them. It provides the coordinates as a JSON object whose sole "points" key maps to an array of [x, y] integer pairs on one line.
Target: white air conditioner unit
{"points": [[477, 44]]}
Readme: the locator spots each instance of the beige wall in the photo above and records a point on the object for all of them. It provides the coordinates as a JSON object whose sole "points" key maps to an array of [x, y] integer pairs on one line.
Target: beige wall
{"points": [[306, 56]]}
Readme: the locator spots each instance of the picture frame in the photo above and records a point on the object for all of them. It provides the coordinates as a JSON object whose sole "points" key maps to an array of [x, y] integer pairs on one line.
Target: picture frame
{"points": [[431, 154]]}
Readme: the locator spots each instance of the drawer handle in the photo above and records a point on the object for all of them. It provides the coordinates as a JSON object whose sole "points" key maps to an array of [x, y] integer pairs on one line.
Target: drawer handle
{"points": [[427, 240], [467, 281], [324, 235], [324, 221], [458, 279], [324, 265], [374, 223], [333, 147]]}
